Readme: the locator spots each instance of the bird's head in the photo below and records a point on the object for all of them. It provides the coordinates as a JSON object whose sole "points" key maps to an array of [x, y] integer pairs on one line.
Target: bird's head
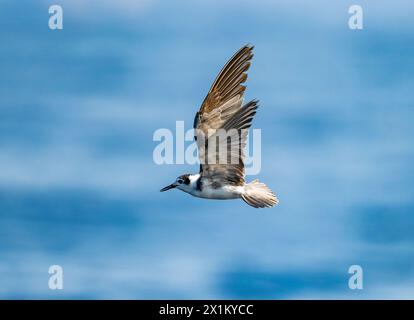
{"points": [[182, 183]]}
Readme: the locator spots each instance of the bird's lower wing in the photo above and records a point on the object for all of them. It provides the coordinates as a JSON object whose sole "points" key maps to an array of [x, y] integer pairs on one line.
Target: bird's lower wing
{"points": [[222, 154]]}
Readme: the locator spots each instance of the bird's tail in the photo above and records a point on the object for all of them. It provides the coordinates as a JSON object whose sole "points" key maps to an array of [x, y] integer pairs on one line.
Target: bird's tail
{"points": [[258, 195]]}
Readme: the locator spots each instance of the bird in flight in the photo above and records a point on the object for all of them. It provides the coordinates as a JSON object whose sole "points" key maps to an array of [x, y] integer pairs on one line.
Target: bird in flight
{"points": [[221, 127]]}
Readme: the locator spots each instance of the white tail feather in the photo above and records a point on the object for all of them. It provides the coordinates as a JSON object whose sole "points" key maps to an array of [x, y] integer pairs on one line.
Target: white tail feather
{"points": [[258, 195]]}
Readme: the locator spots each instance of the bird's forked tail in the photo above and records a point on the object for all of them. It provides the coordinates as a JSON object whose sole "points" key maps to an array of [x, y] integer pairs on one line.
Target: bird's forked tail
{"points": [[258, 195]]}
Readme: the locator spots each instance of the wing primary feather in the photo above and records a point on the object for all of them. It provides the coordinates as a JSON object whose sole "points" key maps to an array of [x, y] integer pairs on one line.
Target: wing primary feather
{"points": [[228, 83]]}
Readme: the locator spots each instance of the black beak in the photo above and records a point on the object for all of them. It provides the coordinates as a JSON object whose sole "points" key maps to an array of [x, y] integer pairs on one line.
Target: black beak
{"points": [[171, 186]]}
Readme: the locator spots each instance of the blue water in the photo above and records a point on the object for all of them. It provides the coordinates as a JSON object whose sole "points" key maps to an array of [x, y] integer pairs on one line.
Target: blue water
{"points": [[79, 187]]}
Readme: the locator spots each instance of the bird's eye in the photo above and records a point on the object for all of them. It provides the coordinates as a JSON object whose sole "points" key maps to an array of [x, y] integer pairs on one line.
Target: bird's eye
{"points": [[180, 181]]}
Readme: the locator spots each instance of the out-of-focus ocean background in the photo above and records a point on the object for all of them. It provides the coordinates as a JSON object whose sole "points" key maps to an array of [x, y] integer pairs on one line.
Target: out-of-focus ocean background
{"points": [[79, 187]]}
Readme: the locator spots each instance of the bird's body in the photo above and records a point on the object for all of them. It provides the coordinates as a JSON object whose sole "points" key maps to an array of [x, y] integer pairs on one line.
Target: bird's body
{"points": [[203, 188], [221, 127]]}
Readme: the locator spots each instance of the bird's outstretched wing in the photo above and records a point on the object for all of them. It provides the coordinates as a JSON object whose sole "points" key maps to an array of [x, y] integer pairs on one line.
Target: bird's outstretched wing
{"points": [[222, 109]]}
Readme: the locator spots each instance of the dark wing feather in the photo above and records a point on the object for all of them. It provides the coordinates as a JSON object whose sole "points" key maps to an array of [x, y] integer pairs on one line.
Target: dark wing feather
{"points": [[225, 96]]}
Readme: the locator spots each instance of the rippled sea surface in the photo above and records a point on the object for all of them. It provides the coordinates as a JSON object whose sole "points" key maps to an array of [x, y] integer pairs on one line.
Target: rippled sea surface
{"points": [[79, 187]]}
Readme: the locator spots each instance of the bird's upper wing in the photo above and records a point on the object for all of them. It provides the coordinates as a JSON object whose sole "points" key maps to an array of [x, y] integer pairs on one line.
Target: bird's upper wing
{"points": [[225, 96]]}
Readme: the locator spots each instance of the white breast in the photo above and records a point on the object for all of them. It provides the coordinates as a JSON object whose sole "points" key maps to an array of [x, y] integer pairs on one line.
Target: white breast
{"points": [[225, 192]]}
